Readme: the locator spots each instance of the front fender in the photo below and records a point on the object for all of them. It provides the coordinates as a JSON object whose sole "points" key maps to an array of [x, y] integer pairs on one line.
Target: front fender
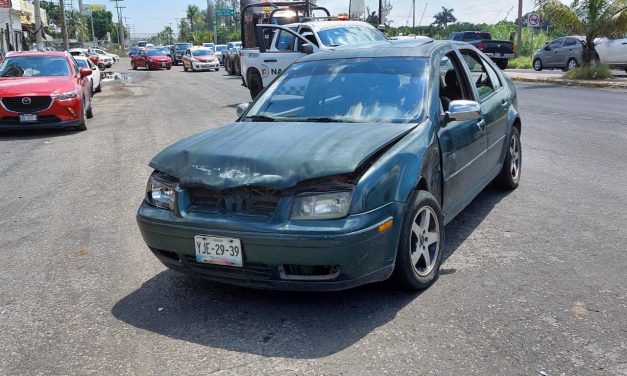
{"points": [[411, 163]]}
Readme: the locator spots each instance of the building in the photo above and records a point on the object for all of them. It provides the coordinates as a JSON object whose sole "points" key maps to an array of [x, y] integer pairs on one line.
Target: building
{"points": [[17, 24]]}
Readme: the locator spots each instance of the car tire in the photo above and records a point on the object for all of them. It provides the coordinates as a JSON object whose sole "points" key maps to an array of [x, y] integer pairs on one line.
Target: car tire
{"points": [[133, 65], [502, 64], [421, 243], [537, 65], [99, 88], [571, 64], [255, 84], [228, 66], [90, 110], [184, 67], [83, 125], [147, 66], [509, 177]]}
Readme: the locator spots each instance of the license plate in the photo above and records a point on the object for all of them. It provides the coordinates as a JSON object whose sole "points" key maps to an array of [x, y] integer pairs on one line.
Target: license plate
{"points": [[163, 64], [219, 251], [28, 118]]}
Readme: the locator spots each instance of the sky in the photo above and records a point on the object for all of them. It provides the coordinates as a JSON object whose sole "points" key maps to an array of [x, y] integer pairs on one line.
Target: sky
{"points": [[151, 16]]}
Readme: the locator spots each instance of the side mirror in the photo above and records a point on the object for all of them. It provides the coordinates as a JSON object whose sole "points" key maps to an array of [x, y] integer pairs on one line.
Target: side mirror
{"points": [[306, 48], [241, 108], [84, 72], [463, 110]]}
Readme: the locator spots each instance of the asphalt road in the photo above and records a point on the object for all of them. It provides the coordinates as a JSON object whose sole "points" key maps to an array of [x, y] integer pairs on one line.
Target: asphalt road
{"points": [[534, 281]]}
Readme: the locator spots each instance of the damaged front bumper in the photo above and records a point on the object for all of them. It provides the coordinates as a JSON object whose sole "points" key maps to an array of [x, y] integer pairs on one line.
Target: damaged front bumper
{"points": [[281, 254]]}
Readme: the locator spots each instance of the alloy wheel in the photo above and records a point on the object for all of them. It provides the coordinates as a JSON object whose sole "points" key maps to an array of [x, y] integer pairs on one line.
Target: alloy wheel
{"points": [[514, 152], [425, 241], [572, 64], [537, 65]]}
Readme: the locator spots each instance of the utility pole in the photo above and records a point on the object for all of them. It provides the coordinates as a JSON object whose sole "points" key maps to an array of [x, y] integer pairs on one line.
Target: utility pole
{"points": [[93, 32], [80, 6], [66, 42], [120, 23], [413, 27], [520, 22], [381, 12], [38, 28]]}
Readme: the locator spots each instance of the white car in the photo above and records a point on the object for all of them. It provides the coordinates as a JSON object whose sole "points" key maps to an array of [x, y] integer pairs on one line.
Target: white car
{"points": [[613, 52], [95, 78], [100, 51], [107, 61]]}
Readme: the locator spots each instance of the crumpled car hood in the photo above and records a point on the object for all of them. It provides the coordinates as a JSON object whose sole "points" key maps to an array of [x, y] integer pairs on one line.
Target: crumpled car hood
{"points": [[274, 155]]}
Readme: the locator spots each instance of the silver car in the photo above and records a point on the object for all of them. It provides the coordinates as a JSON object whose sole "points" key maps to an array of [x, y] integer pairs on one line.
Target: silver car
{"points": [[563, 53]]}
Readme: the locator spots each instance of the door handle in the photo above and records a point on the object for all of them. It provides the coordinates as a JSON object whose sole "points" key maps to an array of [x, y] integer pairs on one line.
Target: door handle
{"points": [[481, 125], [505, 104], [270, 61]]}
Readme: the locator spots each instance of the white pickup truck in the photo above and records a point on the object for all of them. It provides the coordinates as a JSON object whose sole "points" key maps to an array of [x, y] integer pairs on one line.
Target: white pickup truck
{"points": [[613, 52], [288, 43]]}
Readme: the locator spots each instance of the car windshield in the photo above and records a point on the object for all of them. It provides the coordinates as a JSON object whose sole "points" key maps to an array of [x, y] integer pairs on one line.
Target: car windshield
{"points": [[202, 52], [155, 53], [347, 35], [182, 47], [220, 48], [364, 90], [35, 66]]}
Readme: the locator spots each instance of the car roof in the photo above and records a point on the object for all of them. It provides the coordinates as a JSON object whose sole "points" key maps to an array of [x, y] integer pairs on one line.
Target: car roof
{"points": [[419, 47], [321, 25], [38, 53]]}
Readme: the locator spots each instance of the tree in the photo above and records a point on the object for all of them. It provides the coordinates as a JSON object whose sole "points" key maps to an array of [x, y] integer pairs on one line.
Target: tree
{"points": [[184, 31], [443, 18], [590, 18], [193, 15], [103, 24]]}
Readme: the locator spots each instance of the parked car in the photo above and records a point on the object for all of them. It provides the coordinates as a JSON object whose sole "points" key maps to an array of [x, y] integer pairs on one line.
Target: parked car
{"points": [[44, 90], [96, 76], [151, 58], [220, 50], [95, 58], [562, 53], [209, 45], [500, 51], [178, 51], [100, 51], [200, 58], [232, 62], [230, 45], [342, 172], [613, 52]]}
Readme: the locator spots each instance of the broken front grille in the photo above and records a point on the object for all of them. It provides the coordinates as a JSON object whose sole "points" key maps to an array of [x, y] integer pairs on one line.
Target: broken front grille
{"points": [[242, 201]]}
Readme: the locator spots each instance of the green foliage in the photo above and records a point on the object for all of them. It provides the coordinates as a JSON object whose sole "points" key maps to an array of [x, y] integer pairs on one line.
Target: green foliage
{"points": [[590, 72], [103, 24], [521, 62], [443, 18], [201, 36]]}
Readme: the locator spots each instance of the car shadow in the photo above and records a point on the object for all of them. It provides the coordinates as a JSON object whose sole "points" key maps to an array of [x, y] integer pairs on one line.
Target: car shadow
{"points": [[460, 228], [279, 324], [266, 323], [35, 134]]}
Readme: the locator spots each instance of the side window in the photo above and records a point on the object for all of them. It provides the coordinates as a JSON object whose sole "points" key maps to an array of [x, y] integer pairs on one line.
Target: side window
{"points": [[494, 77], [285, 41], [479, 75], [556, 44], [570, 42], [309, 35], [75, 65], [451, 84]]}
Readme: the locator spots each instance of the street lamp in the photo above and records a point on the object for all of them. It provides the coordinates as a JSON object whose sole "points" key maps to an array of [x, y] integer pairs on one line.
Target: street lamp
{"points": [[93, 33]]}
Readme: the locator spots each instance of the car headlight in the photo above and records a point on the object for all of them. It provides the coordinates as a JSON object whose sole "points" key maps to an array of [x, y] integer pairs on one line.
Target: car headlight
{"points": [[321, 206], [65, 96], [160, 191]]}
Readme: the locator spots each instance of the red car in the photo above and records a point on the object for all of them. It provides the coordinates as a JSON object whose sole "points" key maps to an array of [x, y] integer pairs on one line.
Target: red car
{"points": [[151, 59], [44, 90]]}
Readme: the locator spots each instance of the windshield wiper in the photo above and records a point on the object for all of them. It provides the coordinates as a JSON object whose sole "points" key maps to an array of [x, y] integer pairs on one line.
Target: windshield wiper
{"points": [[321, 120], [261, 118]]}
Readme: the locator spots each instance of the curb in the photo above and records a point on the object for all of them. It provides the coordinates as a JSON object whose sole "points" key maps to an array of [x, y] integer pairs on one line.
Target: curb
{"points": [[564, 82]]}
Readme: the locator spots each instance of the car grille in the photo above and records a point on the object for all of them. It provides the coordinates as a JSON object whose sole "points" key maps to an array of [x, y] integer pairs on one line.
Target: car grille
{"points": [[244, 201], [37, 104], [248, 271]]}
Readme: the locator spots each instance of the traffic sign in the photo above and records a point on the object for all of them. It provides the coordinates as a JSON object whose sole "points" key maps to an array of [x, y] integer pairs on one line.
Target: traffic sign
{"points": [[533, 20], [225, 12]]}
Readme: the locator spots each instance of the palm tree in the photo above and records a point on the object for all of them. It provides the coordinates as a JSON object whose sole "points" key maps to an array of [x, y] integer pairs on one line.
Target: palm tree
{"points": [[192, 15], [443, 18], [589, 18]]}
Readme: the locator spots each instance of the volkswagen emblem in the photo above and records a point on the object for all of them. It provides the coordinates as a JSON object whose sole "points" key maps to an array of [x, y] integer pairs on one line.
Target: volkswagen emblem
{"points": [[26, 101]]}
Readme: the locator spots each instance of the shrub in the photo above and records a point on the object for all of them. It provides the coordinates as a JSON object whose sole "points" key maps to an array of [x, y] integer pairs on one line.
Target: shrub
{"points": [[521, 62], [589, 72]]}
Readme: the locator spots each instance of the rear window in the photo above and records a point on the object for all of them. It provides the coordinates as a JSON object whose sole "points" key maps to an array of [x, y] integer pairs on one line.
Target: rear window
{"points": [[82, 63], [477, 36], [35, 66], [347, 35]]}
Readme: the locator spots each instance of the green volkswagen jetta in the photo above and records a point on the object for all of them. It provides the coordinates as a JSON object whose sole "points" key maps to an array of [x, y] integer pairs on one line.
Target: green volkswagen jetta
{"points": [[342, 172]]}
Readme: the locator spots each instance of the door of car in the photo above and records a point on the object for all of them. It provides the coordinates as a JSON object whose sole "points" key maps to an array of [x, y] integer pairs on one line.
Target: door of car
{"points": [[616, 51], [463, 143], [495, 102], [554, 50], [141, 59], [187, 57], [282, 53], [572, 49]]}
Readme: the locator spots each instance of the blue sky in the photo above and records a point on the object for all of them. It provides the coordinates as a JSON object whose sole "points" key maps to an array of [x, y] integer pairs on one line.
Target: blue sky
{"points": [[150, 16]]}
